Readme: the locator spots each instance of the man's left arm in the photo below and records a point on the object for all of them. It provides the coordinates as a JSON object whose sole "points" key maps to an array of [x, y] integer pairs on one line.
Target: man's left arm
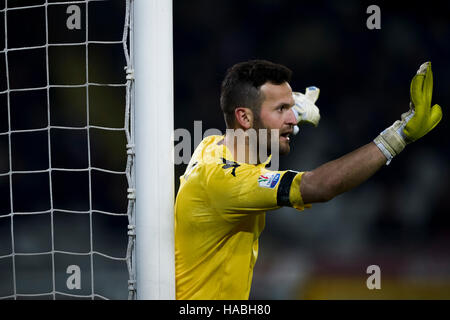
{"points": [[341, 175], [349, 171]]}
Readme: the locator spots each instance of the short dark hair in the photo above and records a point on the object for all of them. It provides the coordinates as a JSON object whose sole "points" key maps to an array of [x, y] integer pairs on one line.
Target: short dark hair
{"points": [[242, 83]]}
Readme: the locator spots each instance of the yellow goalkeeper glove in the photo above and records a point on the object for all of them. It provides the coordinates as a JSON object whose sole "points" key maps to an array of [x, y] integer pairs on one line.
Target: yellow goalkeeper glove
{"points": [[417, 122]]}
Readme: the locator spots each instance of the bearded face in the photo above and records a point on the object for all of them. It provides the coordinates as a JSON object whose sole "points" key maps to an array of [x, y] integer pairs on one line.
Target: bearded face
{"points": [[276, 117]]}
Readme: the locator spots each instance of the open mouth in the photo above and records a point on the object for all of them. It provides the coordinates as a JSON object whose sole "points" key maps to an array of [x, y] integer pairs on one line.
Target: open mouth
{"points": [[286, 136]]}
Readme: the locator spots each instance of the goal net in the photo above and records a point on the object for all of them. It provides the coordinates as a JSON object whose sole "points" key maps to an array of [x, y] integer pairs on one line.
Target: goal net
{"points": [[67, 153]]}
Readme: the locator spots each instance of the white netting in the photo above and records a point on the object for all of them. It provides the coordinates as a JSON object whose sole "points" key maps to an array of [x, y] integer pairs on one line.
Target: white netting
{"points": [[66, 155]]}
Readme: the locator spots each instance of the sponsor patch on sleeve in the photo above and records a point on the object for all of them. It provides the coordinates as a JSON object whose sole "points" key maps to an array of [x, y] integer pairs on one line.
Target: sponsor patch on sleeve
{"points": [[268, 180]]}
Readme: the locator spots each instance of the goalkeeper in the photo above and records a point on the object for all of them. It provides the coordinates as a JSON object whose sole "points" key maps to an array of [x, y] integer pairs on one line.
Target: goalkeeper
{"points": [[221, 203]]}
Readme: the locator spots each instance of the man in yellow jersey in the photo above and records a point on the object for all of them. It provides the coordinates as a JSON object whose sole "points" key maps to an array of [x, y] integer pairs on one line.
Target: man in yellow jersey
{"points": [[223, 196]]}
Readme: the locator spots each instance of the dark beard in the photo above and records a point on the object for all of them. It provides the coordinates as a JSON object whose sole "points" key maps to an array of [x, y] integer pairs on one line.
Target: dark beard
{"points": [[258, 125]]}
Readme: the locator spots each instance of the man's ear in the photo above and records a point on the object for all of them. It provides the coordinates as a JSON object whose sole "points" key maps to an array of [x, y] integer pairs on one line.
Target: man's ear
{"points": [[244, 117]]}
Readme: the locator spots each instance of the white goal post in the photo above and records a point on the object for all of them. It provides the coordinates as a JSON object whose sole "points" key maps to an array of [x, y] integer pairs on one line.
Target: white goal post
{"points": [[154, 162]]}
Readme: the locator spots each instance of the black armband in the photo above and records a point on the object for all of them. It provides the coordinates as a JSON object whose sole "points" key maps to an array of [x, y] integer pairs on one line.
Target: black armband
{"points": [[284, 188]]}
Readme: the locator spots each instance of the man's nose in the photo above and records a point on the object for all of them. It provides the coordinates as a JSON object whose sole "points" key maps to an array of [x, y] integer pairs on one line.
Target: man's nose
{"points": [[291, 119]]}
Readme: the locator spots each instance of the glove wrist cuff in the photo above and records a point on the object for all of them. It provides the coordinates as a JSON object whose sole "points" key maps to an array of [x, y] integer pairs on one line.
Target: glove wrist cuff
{"points": [[390, 143], [383, 149]]}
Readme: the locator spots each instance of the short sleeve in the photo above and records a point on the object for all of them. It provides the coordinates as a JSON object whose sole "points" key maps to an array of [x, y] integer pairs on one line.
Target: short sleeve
{"points": [[295, 196], [243, 188]]}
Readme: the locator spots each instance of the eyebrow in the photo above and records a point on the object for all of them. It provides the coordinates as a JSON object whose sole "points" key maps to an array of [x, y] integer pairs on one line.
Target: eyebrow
{"points": [[283, 104]]}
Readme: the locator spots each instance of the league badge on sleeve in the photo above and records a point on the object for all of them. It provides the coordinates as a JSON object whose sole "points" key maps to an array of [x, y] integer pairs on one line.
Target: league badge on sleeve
{"points": [[268, 180]]}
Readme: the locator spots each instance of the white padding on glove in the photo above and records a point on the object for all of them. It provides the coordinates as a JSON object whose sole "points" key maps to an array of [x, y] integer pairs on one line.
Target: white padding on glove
{"points": [[305, 110]]}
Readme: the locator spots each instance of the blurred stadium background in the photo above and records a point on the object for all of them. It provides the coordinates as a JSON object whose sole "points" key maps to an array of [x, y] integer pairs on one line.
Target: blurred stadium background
{"points": [[397, 220]]}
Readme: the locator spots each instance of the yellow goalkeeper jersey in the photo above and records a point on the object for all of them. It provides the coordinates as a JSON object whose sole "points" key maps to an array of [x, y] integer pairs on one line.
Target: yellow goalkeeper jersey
{"points": [[219, 215]]}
